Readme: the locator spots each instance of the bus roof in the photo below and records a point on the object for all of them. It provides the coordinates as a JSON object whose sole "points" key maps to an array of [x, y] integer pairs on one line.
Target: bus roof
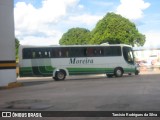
{"points": [[32, 46]]}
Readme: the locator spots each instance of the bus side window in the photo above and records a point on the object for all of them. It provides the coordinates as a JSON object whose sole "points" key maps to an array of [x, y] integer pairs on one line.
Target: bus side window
{"points": [[89, 52], [27, 54], [67, 54], [49, 54], [84, 52], [53, 52], [76, 52], [98, 52], [33, 54], [59, 53], [113, 51], [46, 54], [64, 52], [40, 54], [56, 53], [101, 52], [107, 51]]}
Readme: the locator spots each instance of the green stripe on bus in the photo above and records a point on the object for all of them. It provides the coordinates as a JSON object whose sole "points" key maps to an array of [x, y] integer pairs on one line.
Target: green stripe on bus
{"points": [[25, 71], [44, 71], [40, 71], [49, 68], [129, 69], [48, 71], [81, 71]]}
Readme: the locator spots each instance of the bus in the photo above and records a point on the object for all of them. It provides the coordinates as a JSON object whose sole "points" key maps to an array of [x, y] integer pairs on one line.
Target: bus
{"points": [[61, 61]]}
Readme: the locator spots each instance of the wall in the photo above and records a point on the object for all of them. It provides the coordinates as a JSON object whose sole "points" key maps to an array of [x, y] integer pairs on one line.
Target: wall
{"points": [[7, 43]]}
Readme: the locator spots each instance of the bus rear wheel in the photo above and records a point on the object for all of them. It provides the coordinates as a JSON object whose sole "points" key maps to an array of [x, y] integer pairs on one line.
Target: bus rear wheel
{"points": [[118, 72], [60, 75]]}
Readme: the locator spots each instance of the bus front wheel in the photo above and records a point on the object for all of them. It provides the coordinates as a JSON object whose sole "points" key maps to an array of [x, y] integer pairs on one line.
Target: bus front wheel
{"points": [[137, 72], [118, 72], [60, 75]]}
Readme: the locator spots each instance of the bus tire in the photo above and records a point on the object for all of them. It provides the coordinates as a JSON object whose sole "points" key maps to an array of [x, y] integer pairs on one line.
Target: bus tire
{"points": [[60, 75], [118, 72], [137, 72]]}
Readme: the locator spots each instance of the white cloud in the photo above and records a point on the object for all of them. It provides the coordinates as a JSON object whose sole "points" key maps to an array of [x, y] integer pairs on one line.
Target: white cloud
{"points": [[87, 19], [46, 24], [102, 3], [132, 9], [31, 21], [35, 40], [80, 6]]}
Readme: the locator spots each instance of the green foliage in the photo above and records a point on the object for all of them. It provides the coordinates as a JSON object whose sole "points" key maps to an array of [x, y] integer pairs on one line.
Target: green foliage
{"points": [[17, 46], [113, 29], [75, 36], [116, 29]]}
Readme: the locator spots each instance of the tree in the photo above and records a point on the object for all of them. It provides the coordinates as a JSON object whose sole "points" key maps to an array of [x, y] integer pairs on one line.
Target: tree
{"points": [[17, 47], [113, 28], [75, 36], [116, 29]]}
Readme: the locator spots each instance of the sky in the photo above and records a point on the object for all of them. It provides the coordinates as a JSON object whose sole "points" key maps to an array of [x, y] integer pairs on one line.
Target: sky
{"points": [[43, 22]]}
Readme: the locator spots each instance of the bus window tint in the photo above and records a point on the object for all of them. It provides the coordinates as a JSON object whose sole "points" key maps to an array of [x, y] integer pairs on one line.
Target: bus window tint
{"points": [[99, 51], [60, 52], [77, 52], [27, 54], [35, 53], [95, 51], [89, 52], [64, 52], [113, 51], [46, 54]]}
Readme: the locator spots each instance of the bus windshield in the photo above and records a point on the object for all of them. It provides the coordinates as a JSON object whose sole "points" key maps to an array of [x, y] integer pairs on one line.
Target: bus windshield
{"points": [[128, 55]]}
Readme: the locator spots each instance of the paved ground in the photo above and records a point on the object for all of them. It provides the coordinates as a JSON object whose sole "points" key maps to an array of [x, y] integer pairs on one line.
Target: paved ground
{"points": [[85, 93]]}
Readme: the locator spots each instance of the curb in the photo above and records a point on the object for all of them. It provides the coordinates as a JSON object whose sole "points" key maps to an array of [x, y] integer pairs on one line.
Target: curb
{"points": [[12, 85]]}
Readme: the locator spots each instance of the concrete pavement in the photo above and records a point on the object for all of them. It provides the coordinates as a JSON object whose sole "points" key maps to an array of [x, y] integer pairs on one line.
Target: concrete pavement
{"points": [[85, 93]]}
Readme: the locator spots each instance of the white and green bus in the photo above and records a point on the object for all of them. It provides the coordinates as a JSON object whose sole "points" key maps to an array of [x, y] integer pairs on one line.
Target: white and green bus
{"points": [[62, 61]]}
